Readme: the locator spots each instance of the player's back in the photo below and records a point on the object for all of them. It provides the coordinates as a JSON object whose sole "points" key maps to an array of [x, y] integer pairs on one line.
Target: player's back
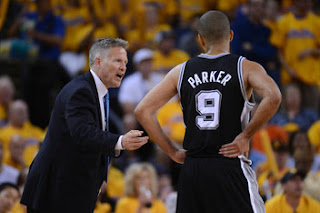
{"points": [[214, 103]]}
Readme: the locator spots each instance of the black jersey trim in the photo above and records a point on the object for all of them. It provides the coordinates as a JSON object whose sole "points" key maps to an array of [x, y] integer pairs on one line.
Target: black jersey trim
{"points": [[203, 55]]}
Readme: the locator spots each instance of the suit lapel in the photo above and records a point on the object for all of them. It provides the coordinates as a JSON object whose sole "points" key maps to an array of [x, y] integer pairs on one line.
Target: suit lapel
{"points": [[90, 79]]}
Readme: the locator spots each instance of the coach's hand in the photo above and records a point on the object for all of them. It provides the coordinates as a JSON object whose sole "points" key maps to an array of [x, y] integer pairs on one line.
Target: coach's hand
{"points": [[239, 146], [133, 140]]}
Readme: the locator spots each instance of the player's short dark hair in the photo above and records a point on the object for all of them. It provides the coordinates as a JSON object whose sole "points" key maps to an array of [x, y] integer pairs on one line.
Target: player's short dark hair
{"points": [[214, 26]]}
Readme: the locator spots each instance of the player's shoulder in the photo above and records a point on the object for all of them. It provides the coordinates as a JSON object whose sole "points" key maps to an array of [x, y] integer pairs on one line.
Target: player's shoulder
{"points": [[177, 68], [248, 65]]}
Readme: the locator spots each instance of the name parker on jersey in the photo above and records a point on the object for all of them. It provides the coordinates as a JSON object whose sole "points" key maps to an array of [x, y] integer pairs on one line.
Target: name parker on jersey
{"points": [[209, 77]]}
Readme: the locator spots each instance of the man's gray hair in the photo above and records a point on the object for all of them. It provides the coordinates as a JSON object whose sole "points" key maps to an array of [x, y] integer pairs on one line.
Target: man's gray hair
{"points": [[101, 45]]}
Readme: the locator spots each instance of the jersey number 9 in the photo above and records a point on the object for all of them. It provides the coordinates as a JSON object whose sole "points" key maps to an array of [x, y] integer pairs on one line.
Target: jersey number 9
{"points": [[208, 104]]}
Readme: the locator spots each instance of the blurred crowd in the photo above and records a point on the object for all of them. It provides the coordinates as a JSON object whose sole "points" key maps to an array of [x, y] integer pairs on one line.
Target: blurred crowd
{"points": [[44, 44]]}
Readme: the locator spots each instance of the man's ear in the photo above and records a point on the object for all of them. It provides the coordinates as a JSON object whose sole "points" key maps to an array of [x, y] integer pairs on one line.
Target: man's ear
{"points": [[97, 62], [231, 35], [202, 42]]}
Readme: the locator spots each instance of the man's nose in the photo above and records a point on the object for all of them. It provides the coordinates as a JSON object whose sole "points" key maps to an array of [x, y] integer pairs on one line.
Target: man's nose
{"points": [[123, 66]]}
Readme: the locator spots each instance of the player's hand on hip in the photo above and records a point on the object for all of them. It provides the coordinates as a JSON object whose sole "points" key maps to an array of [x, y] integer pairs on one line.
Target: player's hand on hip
{"points": [[238, 146], [133, 140], [179, 156]]}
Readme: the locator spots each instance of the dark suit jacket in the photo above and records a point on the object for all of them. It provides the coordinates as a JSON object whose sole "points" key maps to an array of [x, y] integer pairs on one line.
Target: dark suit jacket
{"points": [[71, 165]]}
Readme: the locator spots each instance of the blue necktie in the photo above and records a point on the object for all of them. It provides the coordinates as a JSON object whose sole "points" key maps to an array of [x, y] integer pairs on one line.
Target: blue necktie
{"points": [[106, 110]]}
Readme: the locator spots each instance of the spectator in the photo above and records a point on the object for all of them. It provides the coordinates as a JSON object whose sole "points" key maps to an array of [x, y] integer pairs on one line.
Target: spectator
{"points": [[7, 91], [7, 173], [102, 25], [300, 141], [110, 193], [9, 195], [148, 25], [141, 190], [303, 161], [191, 7], [272, 14], [132, 90], [170, 118], [314, 135], [189, 41], [76, 17], [298, 43], [19, 124], [46, 30], [166, 56], [102, 208], [293, 112], [42, 27], [252, 38], [292, 199], [167, 192], [16, 151], [136, 86], [259, 152], [267, 178], [229, 7]]}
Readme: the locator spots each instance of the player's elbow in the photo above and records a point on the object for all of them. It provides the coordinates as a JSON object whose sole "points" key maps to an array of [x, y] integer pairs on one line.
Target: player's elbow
{"points": [[138, 112], [276, 99]]}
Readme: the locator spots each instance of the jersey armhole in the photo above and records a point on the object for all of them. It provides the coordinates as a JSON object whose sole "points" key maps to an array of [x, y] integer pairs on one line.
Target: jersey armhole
{"points": [[181, 78], [250, 102]]}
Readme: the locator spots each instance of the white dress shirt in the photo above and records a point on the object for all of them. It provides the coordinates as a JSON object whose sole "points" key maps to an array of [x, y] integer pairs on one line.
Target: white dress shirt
{"points": [[102, 91]]}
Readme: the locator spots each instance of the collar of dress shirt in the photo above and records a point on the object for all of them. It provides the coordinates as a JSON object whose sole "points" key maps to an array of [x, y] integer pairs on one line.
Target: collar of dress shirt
{"points": [[101, 88]]}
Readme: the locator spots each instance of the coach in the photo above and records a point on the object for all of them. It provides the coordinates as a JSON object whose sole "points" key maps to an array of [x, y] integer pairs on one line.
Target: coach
{"points": [[72, 163]]}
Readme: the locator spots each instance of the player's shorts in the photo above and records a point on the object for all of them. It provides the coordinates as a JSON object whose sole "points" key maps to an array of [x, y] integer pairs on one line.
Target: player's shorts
{"points": [[218, 185]]}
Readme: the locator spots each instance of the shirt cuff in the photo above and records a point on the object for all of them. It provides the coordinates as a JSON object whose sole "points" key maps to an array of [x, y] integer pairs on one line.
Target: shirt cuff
{"points": [[118, 147]]}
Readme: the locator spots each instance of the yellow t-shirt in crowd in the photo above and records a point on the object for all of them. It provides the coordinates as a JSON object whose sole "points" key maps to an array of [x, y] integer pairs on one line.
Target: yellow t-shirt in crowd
{"points": [[164, 63], [170, 118], [188, 8], [30, 133], [102, 208], [115, 186], [138, 37], [278, 204], [105, 9], [230, 5], [3, 114], [18, 208], [266, 180], [293, 36], [75, 33], [314, 135], [7, 160], [131, 204]]}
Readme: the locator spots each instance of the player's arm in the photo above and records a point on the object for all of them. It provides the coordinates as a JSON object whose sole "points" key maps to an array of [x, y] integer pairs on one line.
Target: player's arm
{"points": [[147, 108], [256, 78]]}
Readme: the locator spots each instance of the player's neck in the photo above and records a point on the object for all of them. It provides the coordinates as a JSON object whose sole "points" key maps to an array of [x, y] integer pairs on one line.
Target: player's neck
{"points": [[217, 49]]}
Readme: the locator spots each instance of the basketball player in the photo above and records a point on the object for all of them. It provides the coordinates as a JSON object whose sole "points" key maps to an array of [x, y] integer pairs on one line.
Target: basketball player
{"points": [[215, 90]]}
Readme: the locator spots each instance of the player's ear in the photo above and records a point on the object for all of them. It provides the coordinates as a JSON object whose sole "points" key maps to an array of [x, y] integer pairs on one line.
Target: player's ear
{"points": [[202, 42], [231, 35]]}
